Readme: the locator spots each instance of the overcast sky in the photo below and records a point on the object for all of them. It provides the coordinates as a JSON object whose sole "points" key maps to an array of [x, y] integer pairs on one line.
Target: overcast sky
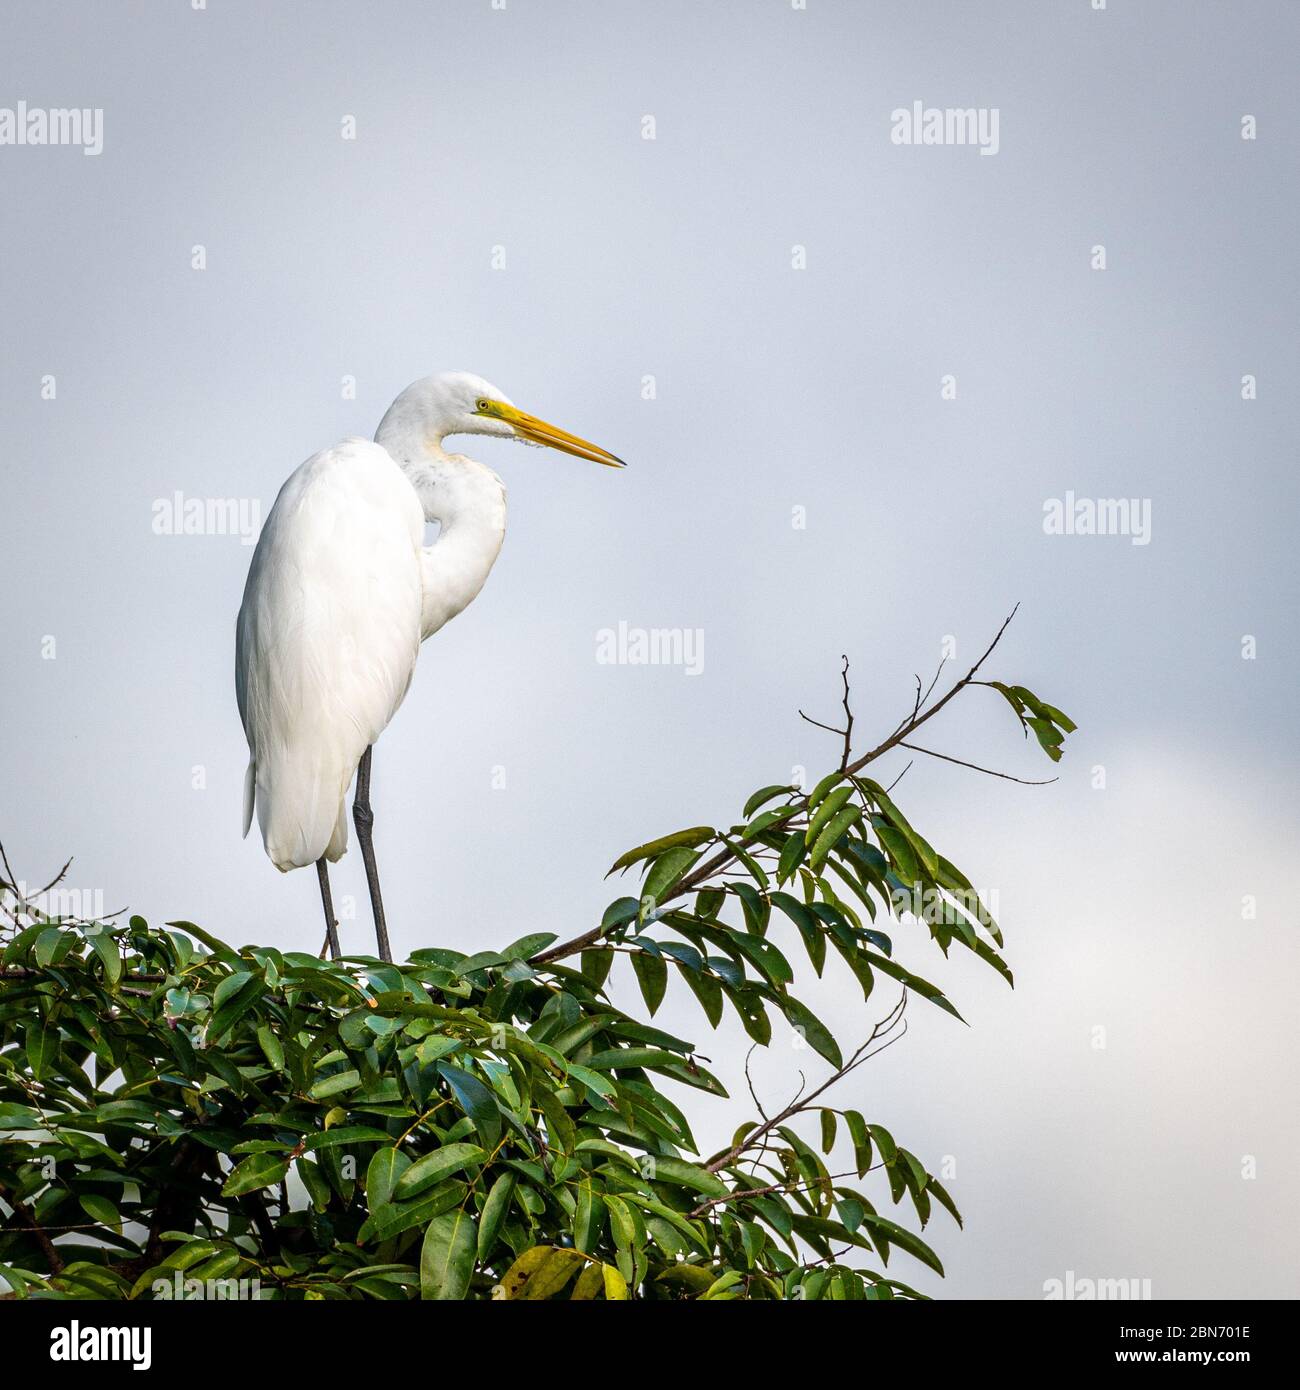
{"points": [[850, 374]]}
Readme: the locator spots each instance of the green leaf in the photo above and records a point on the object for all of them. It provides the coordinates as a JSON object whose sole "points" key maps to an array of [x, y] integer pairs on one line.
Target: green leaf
{"points": [[826, 812], [756, 907], [652, 976], [1049, 737], [231, 1002], [1043, 710], [271, 1048], [696, 835], [386, 1166], [861, 1138], [529, 945], [682, 1174], [625, 1223], [769, 961], [828, 1131], [335, 1085], [940, 1194], [751, 865], [898, 1235], [106, 949], [762, 797], [396, 1217], [338, 1135], [100, 1209], [810, 930], [435, 1166], [664, 873], [495, 1210], [256, 1171], [900, 852], [218, 948], [559, 1127], [819, 1037], [447, 1256], [589, 1218], [52, 945], [929, 860], [792, 853], [229, 988], [885, 1143], [477, 1101], [596, 964], [830, 835], [620, 912], [822, 789], [955, 882], [914, 982], [316, 1183], [708, 991], [41, 1041]]}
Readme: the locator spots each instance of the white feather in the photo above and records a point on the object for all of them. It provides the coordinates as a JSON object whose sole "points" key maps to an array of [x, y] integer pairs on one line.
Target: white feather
{"points": [[327, 640]]}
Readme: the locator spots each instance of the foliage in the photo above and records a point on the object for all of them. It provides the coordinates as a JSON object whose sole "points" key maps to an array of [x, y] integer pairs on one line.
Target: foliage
{"points": [[173, 1109]]}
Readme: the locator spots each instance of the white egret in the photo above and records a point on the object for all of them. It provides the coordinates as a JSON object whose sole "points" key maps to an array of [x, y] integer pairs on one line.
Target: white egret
{"points": [[341, 592]]}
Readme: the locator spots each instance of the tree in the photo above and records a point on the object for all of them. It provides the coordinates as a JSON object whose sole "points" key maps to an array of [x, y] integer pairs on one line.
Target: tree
{"points": [[178, 1116]]}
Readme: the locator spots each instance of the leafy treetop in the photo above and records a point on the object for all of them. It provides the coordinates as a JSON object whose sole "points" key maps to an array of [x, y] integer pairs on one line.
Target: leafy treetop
{"points": [[181, 1117]]}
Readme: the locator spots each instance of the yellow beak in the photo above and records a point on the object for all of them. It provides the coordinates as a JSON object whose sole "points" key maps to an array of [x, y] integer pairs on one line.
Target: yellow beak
{"points": [[539, 432]]}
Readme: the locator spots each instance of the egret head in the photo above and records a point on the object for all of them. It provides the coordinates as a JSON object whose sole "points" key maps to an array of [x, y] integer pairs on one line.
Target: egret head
{"points": [[462, 403]]}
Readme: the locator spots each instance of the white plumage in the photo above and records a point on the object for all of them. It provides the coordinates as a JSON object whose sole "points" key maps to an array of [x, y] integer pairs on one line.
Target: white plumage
{"points": [[326, 644], [341, 592]]}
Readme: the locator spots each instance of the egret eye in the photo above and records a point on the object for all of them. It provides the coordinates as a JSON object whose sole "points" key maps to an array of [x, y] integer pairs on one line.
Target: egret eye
{"points": [[481, 405]]}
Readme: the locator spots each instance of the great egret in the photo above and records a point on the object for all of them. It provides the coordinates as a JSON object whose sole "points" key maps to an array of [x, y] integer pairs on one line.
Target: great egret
{"points": [[341, 592]]}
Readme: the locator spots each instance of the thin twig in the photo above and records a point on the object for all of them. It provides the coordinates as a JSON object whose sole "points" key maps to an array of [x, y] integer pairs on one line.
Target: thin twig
{"points": [[900, 776], [975, 767], [817, 723], [848, 716], [749, 1081]]}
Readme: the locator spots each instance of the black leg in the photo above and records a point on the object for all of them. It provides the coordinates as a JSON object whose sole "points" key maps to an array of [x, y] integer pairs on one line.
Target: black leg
{"points": [[364, 818], [327, 902]]}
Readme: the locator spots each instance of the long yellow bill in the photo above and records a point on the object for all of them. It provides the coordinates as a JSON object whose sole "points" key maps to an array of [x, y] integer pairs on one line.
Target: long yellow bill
{"points": [[539, 432]]}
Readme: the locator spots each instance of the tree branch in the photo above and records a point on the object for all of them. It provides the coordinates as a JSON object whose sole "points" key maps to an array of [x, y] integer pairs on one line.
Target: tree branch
{"points": [[701, 874], [22, 1217]]}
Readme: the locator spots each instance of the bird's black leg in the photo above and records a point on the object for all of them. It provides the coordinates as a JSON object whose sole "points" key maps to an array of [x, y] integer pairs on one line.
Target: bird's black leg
{"points": [[364, 818], [327, 902]]}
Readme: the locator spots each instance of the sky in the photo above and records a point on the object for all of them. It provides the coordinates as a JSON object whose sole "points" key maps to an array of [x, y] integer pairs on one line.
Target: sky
{"points": [[858, 381]]}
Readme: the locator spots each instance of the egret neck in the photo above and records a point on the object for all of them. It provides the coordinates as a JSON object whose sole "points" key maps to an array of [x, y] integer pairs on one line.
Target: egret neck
{"points": [[464, 497]]}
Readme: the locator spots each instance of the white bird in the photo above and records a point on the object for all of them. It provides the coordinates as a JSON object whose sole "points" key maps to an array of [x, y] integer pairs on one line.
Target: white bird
{"points": [[341, 592]]}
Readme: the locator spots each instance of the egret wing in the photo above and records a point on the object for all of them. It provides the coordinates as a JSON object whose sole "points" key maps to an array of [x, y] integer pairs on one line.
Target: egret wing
{"points": [[326, 643]]}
